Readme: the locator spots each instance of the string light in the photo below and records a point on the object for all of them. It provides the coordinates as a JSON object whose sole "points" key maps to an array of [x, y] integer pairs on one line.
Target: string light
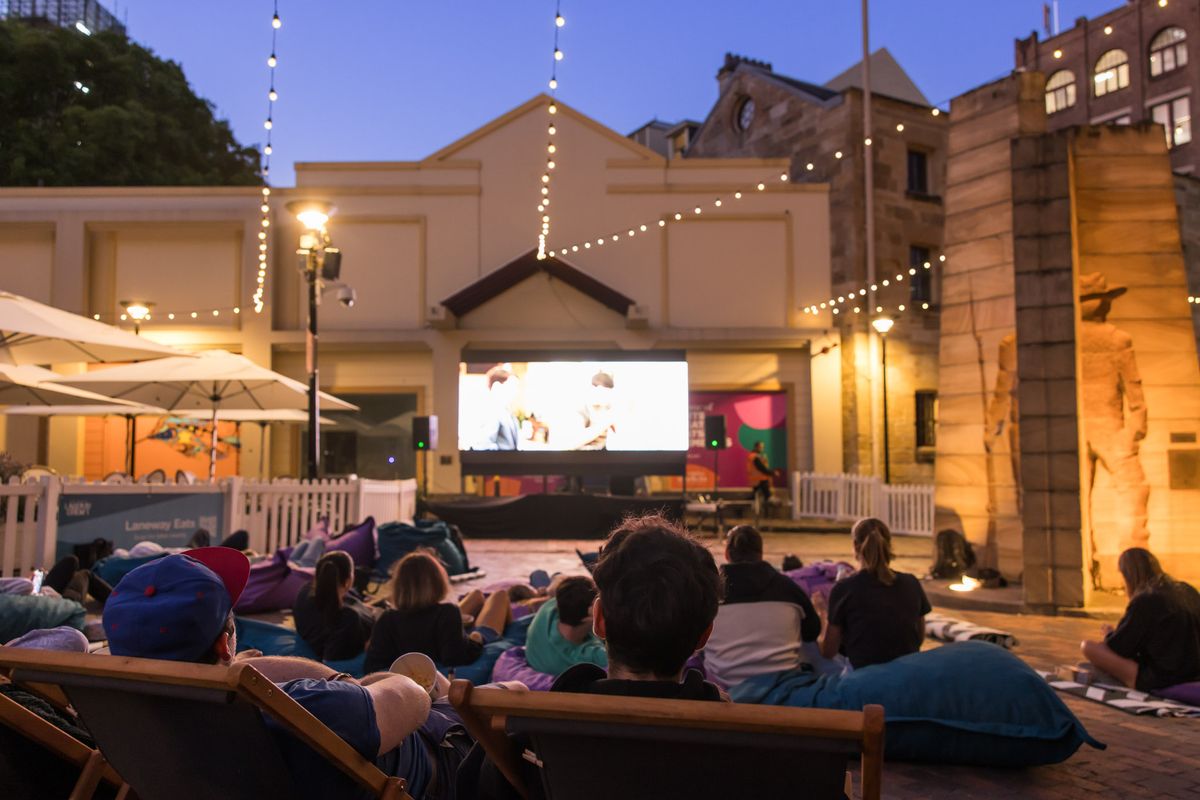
{"points": [[265, 208], [551, 130], [864, 291]]}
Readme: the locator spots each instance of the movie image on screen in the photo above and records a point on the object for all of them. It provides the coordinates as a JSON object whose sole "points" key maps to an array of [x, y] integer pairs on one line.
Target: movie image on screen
{"points": [[561, 406]]}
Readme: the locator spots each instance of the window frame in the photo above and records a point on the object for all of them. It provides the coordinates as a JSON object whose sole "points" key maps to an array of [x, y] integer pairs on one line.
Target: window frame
{"points": [[925, 418], [920, 286], [1172, 119], [923, 189], [1119, 77], [1068, 90], [1175, 48]]}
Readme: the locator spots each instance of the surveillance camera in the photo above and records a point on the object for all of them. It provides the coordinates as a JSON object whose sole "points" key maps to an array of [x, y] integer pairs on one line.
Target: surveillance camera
{"points": [[347, 296]]}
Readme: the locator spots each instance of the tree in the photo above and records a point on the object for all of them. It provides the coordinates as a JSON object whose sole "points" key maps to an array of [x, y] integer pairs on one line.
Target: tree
{"points": [[101, 110]]}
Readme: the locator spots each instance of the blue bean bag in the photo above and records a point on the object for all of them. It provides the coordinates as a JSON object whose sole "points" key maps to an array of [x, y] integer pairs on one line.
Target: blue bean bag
{"points": [[22, 613], [517, 631], [276, 640], [479, 671], [112, 568], [398, 539], [965, 703]]}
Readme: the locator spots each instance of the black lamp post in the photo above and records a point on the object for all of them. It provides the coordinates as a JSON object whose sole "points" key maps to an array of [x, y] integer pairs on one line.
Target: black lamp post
{"points": [[882, 325]]}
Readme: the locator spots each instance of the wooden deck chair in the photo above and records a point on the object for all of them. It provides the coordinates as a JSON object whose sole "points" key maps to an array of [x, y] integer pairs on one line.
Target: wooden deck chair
{"points": [[594, 747], [176, 730], [93, 768]]}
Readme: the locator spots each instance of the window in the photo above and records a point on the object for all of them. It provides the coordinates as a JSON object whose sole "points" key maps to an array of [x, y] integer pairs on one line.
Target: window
{"points": [[1112, 72], [920, 285], [1176, 117], [745, 115], [926, 418], [918, 172], [1168, 51], [1060, 91]]}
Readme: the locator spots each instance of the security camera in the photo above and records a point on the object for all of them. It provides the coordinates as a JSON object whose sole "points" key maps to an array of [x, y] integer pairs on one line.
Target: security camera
{"points": [[347, 296]]}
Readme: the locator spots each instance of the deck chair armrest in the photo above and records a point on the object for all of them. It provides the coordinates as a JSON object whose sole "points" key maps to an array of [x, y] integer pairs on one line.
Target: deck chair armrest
{"points": [[53, 738], [872, 752], [499, 748]]}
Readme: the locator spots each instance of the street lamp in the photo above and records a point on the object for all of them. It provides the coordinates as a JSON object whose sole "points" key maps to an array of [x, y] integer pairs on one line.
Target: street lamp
{"points": [[882, 325], [317, 258], [138, 311]]}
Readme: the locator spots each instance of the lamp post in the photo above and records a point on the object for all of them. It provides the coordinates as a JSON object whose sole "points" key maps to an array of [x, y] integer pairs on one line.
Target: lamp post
{"points": [[882, 325], [315, 252]]}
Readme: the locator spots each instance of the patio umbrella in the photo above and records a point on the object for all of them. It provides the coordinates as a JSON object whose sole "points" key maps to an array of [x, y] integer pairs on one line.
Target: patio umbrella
{"points": [[35, 333], [31, 385], [211, 382], [265, 417]]}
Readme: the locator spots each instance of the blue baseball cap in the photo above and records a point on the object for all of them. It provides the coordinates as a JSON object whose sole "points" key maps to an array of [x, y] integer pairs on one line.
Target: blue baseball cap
{"points": [[175, 607]]}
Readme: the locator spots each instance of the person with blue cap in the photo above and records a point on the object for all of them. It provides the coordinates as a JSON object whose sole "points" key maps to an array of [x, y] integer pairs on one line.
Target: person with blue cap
{"points": [[180, 608]]}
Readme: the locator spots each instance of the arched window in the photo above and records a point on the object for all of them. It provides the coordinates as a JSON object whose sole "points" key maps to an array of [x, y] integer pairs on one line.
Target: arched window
{"points": [[1168, 51], [1112, 72], [1060, 91]]}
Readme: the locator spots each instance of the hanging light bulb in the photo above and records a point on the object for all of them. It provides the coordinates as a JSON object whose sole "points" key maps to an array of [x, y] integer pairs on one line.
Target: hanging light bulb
{"points": [[272, 61], [272, 95], [553, 83], [268, 150], [558, 54], [559, 21], [266, 190], [552, 130], [268, 124], [276, 22], [553, 109]]}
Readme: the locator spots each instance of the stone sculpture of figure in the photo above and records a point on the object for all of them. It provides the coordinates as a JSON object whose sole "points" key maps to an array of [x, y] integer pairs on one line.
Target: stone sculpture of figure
{"points": [[1114, 411], [1002, 408]]}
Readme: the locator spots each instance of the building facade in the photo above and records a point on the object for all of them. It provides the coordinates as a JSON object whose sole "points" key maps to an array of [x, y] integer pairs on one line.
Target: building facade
{"points": [[1137, 63], [723, 282], [819, 129]]}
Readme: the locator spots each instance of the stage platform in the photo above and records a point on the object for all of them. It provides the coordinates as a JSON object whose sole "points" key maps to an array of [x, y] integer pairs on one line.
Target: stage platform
{"points": [[549, 516]]}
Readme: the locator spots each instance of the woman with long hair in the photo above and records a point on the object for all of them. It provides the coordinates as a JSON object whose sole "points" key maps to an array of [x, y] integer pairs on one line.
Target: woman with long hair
{"points": [[877, 614], [421, 620], [333, 622], [1157, 643]]}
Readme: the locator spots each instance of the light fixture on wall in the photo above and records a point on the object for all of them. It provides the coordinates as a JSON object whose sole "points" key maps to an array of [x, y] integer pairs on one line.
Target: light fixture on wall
{"points": [[882, 326], [138, 311]]}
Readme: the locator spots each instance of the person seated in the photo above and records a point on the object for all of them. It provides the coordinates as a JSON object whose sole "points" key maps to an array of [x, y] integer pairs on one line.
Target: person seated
{"points": [[561, 635], [1157, 642], [765, 616], [876, 614], [334, 623], [420, 620], [179, 608], [658, 592]]}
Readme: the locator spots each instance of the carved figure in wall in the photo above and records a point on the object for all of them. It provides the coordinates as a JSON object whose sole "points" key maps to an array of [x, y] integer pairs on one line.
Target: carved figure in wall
{"points": [[1002, 408], [1113, 413]]}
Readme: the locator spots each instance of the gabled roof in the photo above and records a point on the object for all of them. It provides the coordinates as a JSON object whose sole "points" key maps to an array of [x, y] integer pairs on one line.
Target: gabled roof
{"points": [[525, 266], [888, 78]]}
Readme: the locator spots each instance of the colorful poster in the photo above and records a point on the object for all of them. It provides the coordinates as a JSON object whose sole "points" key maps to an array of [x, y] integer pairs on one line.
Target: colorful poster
{"points": [[750, 417]]}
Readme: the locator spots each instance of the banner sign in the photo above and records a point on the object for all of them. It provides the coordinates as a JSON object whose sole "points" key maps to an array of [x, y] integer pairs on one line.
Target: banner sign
{"points": [[749, 417], [168, 519]]}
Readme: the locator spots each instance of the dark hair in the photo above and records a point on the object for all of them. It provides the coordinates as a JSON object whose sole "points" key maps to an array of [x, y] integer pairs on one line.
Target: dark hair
{"points": [[497, 374], [602, 378], [744, 543], [873, 546], [1141, 570], [419, 581], [659, 591], [333, 570], [574, 597]]}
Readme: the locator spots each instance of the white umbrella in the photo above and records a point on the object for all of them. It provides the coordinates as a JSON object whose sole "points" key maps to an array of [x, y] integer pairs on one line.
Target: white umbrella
{"points": [[213, 381], [35, 333], [31, 385]]}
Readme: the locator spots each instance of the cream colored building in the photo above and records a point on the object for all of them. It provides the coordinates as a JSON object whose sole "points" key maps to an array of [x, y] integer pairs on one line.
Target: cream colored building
{"points": [[726, 285]]}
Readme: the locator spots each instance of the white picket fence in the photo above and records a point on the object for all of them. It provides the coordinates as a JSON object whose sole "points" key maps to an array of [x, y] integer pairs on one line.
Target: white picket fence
{"points": [[276, 513], [906, 508]]}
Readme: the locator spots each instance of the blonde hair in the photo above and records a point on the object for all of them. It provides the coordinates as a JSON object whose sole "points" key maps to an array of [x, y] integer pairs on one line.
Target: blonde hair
{"points": [[1141, 571], [418, 581], [873, 546]]}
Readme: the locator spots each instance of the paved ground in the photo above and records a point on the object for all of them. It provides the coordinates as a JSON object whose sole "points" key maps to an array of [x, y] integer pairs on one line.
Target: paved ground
{"points": [[1146, 757]]}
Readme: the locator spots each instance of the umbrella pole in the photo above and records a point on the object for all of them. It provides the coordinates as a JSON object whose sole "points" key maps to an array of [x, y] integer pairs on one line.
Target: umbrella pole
{"points": [[212, 453], [131, 443], [262, 450]]}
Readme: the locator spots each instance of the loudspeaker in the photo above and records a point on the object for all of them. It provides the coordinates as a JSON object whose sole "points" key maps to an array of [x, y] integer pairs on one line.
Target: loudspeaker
{"points": [[714, 432], [425, 433]]}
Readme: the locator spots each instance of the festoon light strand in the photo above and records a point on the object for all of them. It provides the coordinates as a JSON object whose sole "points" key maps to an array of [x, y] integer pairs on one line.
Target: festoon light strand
{"points": [[862, 298], [265, 208], [543, 206]]}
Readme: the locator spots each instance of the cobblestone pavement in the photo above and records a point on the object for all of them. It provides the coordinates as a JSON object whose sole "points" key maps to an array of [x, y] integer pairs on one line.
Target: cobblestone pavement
{"points": [[1146, 757]]}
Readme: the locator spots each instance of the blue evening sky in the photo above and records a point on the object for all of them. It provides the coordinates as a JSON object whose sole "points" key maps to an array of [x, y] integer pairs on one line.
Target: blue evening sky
{"points": [[364, 80]]}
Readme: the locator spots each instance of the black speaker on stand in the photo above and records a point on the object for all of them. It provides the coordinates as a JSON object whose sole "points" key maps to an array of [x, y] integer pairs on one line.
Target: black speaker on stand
{"points": [[714, 439], [425, 439]]}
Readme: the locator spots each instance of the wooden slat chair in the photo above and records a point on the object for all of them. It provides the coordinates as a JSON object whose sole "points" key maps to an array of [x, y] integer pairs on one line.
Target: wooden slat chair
{"points": [[176, 730], [93, 768], [594, 747]]}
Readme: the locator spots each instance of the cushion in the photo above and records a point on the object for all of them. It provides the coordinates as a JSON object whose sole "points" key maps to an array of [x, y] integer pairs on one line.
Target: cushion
{"points": [[20, 614], [517, 631], [1187, 693], [398, 539], [513, 666], [276, 640], [272, 585], [113, 568], [963, 703], [359, 542]]}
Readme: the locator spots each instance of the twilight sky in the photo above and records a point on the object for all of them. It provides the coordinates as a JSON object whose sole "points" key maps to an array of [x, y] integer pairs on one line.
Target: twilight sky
{"points": [[363, 80]]}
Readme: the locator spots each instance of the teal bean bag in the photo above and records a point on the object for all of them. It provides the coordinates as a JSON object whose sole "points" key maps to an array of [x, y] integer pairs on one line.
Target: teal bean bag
{"points": [[22, 613], [965, 703]]}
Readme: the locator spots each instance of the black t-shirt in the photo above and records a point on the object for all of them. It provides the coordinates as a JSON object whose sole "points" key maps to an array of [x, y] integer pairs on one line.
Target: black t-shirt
{"points": [[341, 638], [759, 582], [1161, 632], [436, 631], [878, 622]]}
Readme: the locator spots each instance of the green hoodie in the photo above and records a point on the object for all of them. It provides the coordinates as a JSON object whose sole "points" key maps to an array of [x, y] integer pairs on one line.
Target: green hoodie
{"points": [[547, 651]]}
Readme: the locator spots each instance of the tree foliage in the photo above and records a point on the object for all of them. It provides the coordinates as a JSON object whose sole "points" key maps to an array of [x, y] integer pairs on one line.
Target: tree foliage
{"points": [[137, 124]]}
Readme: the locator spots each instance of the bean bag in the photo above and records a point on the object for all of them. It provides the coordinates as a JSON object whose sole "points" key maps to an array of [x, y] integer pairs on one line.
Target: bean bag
{"points": [[513, 666], [20, 614], [358, 541], [272, 585], [517, 631], [112, 568], [818, 578], [1186, 693], [964, 703], [276, 640], [398, 539], [479, 671]]}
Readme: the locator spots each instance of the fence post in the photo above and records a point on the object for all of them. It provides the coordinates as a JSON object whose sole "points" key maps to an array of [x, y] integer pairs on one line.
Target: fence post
{"points": [[235, 504], [795, 494], [47, 520]]}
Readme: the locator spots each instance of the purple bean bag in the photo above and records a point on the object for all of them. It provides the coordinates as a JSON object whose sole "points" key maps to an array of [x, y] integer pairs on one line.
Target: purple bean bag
{"points": [[512, 666], [1186, 693], [272, 585], [818, 578], [359, 542]]}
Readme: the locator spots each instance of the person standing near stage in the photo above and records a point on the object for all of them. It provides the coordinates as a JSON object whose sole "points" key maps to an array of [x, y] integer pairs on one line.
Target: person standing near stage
{"points": [[759, 476]]}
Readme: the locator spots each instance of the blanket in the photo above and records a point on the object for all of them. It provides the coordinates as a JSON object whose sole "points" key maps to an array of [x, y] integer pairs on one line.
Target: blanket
{"points": [[1121, 698], [947, 629]]}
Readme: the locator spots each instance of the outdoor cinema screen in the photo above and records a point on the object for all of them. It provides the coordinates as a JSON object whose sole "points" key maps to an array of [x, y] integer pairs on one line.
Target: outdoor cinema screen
{"points": [[625, 402]]}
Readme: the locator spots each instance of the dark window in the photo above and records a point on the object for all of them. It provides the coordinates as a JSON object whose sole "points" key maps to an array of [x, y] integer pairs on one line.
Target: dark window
{"points": [[926, 418], [920, 285], [918, 172]]}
